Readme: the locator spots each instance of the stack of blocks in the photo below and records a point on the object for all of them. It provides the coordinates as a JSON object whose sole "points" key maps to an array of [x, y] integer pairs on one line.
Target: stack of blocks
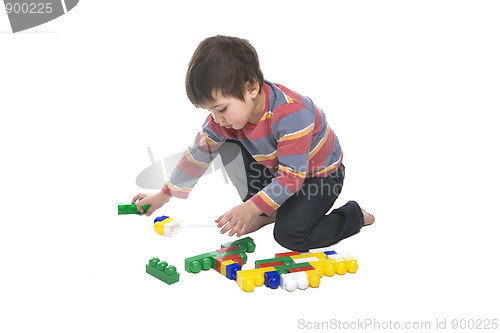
{"points": [[162, 271], [167, 226], [292, 270], [228, 260]]}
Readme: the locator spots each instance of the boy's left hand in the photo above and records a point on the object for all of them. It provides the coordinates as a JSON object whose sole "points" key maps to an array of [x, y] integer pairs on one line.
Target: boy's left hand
{"points": [[238, 218]]}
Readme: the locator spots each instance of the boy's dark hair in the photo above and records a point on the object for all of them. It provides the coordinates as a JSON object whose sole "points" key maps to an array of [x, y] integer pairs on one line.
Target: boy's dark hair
{"points": [[224, 64]]}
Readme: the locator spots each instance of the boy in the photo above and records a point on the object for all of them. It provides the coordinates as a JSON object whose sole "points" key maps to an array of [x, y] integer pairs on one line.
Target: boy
{"points": [[293, 170]]}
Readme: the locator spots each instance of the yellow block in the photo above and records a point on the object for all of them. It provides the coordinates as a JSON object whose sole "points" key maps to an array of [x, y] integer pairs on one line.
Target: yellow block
{"points": [[314, 278], [247, 280], [160, 226], [352, 264], [319, 255], [224, 264], [329, 267]]}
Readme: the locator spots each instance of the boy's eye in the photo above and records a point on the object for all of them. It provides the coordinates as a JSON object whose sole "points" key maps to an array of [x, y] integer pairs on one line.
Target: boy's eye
{"points": [[223, 110]]}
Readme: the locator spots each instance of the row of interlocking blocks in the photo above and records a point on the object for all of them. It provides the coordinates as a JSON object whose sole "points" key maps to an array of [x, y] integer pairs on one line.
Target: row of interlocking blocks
{"points": [[292, 270], [162, 271], [228, 260], [128, 208]]}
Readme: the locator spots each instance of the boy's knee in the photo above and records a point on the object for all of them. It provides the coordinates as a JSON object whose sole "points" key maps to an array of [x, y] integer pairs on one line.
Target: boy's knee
{"points": [[289, 239]]}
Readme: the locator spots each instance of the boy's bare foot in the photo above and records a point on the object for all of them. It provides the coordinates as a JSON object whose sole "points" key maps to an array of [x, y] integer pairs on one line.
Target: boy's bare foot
{"points": [[258, 222], [368, 218]]}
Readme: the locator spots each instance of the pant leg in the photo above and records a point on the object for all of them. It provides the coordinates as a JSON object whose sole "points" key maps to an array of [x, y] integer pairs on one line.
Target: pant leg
{"points": [[246, 174], [301, 222]]}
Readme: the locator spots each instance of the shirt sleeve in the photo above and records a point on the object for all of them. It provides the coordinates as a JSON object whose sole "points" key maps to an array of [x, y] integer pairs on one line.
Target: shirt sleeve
{"points": [[195, 161], [294, 134]]}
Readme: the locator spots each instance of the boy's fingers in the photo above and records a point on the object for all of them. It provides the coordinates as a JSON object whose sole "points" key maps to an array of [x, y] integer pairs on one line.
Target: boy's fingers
{"points": [[242, 230], [138, 197], [225, 218], [152, 209], [228, 226], [139, 205], [237, 228], [139, 208], [219, 218]]}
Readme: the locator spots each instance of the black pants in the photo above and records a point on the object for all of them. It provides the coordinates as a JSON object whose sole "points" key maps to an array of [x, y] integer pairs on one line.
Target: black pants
{"points": [[302, 222]]}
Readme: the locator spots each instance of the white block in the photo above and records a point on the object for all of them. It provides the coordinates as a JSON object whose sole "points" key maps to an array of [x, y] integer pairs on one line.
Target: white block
{"points": [[292, 281]]}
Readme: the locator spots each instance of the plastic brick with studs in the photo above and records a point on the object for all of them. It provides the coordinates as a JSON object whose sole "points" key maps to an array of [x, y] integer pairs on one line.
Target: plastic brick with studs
{"points": [[128, 208], [209, 260], [167, 226], [162, 271], [293, 270]]}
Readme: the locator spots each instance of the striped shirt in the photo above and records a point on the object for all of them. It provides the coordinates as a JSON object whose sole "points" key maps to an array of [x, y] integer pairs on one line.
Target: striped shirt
{"points": [[292, 139]]}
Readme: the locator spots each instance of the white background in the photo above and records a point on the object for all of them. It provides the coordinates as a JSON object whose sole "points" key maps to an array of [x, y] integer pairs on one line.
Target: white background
{"points": [[410, 87]]}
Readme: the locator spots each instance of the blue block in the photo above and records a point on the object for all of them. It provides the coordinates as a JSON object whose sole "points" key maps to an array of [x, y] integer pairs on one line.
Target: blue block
{"points": [[330, 252], [272, 279], [161, 218], [231, 271]]}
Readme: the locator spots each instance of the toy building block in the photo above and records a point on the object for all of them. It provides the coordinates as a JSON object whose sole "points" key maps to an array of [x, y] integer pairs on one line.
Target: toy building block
{"points": [[272, 279], [286, 269], [318, 255], [270, 264], [209, 260], [229, 269], [245, 243], [314, 278], [247, 280], [286, 254], [128, 208], [161, 218], [292, 281], [229, 248], [197, 263], [283, 260], [323, 249], [167, 226], [301, 269], [338, 265], [162, 271], [292, 270], [236, 258], [351, 262], [232, 270]]}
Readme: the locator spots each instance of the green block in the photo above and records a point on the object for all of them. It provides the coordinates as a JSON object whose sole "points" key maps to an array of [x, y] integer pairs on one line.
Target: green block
{"points": [[284, 269], [162, 271], [239, 251], [128, 208], [245, 243], [207, 260], [284, 260], [197, 263]]}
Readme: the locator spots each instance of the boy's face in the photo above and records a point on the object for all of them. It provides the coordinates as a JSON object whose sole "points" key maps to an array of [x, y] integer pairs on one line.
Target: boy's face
{"points": [[231, 112]]}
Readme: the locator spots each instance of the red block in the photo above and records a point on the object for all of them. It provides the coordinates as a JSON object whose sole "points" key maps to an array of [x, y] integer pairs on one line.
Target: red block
{"points": [[301, 269], [234, 257], [270, 264], [227, 249], [286, 254]]}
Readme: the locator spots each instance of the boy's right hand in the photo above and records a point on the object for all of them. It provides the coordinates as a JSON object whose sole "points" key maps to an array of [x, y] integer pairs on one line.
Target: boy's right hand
{"points": [[155, 200]]}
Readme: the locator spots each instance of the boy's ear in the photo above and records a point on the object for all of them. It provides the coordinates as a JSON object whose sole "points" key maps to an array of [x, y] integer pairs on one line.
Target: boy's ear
{"points": [[253, 88]]}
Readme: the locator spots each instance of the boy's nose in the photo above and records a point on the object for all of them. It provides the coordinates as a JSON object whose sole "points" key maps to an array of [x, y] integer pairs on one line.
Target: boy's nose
{"points": [[218, 119]]}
